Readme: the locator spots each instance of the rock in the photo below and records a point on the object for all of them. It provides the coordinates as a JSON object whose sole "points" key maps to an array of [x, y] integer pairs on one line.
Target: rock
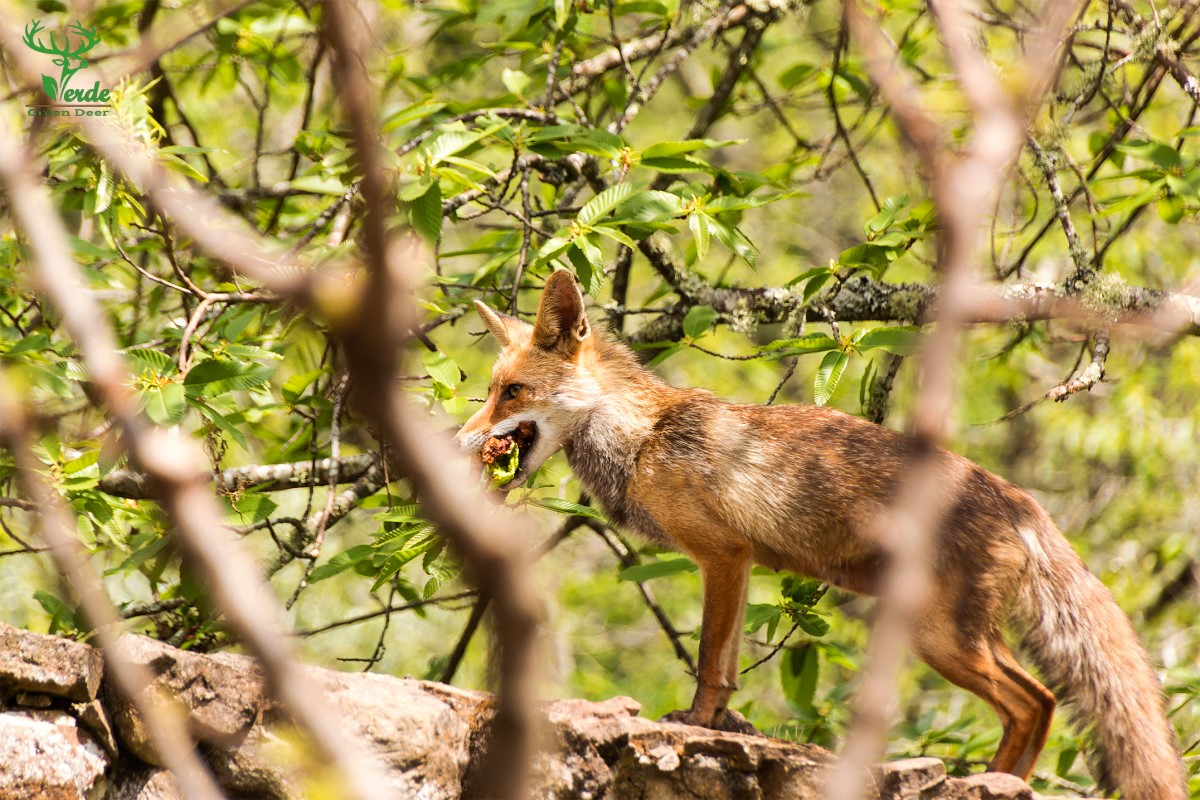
{"points": [[222, 694], [421, 738], [908, 778], [32, 700], [586, 739], [35, 662], [148, 783], [670, 761], [45, 756], [985, 786], [429, 739], [93, 716]]}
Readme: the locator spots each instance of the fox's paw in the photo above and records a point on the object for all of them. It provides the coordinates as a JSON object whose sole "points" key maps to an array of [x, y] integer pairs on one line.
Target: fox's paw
{"points": [[728, 721]]}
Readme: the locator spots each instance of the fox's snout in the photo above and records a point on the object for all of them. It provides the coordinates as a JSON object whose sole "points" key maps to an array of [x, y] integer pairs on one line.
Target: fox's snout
{"points": [[469, 438]]}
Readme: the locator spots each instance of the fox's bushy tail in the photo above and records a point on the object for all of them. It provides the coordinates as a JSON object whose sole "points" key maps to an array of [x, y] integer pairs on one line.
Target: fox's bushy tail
{"points": [[1090, 655]]}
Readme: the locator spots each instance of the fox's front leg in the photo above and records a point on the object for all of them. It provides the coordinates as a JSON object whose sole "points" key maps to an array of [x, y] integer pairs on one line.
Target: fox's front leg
{"points": [[725, 579]]}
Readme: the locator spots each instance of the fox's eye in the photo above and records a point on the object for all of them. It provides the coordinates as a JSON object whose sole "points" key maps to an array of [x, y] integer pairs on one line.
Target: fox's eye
{"points": [[512, 390]]}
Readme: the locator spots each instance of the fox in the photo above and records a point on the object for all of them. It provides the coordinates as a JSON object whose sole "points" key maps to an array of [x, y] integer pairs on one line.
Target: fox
{"points": [[797, 487]]}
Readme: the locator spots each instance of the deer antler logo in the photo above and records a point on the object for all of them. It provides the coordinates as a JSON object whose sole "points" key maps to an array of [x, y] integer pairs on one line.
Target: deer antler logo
{"points": [[85, 40]]}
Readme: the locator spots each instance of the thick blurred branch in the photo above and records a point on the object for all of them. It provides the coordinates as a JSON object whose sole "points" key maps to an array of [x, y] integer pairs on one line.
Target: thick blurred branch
{"points": [[492, 548], [964, 187]]}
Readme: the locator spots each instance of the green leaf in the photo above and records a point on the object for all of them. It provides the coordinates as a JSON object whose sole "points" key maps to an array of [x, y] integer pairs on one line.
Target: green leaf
{"points": [[799, 669], [177, 164], [85, 248], [318, 184], [1134, 201], [217, 376], [1066, 758], [156, 360], [411, 191], [666, 149], [759, 614], [698, 222], [808, 274], [1171, 209], [341, 562], [164, 405], [254, 507], [569, 138], [796, 74], [866, 385], [604, 202], [722, 204], [62, 616], [652, 206], [567, 507], [657, 569], [734, 239], [641, 7], [903, 340], [615, 234], [50, 86], [698, 320], [868, 256], [33, 342], [589, 272], [828, 374], [219, 420], [1157, 153], [814, 285], [678, 165], [212, 370], [146, 546], [812, 624], [815, 342], [425, 213], [455, 141], [442, 369], [887, 215], [409, 512], [83, 462], [293, 388], [552, 248], [515, 81]]}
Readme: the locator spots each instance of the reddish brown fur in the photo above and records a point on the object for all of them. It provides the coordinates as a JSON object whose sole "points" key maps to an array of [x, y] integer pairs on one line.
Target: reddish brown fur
{"points": [[797, 488]]}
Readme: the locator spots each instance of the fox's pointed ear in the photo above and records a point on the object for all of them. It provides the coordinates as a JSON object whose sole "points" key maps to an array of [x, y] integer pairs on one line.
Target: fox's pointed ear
{"points": [[500, 325], [561, 321]]}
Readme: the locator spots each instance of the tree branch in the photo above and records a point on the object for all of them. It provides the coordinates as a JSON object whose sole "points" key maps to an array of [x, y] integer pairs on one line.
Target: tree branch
{"points": [[264, 477]]}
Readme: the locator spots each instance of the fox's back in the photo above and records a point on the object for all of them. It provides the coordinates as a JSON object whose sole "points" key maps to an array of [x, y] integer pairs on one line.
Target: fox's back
{"points": [[803, 485]]}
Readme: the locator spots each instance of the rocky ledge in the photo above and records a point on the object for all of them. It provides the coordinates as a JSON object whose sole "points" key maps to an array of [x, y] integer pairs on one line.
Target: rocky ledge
{"points": [[64, 733]]}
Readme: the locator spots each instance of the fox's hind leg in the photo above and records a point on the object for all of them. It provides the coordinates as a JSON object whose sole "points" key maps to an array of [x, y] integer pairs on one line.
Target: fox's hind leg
{"points": [[1008, 662], [984, 666]]}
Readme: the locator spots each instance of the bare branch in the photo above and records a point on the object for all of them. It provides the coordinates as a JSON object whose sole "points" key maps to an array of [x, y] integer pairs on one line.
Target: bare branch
{"points": [[264, 477]]}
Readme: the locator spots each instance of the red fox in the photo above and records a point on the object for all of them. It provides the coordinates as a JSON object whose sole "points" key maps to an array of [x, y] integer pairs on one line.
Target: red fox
{"points": [[797, 488]]}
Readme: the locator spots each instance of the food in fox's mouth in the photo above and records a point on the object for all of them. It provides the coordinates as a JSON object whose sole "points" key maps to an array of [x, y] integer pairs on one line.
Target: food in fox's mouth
{"points": [[502, 454]]}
